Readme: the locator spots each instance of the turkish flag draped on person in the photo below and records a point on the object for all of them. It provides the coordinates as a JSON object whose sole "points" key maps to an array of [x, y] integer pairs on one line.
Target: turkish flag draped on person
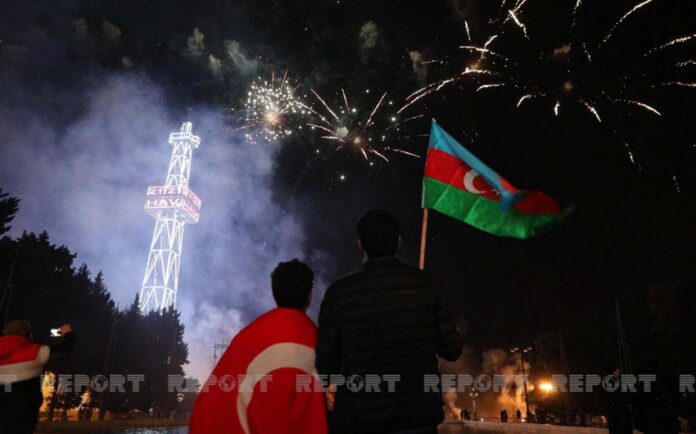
{"points": [[265, 382], [458, 184]]}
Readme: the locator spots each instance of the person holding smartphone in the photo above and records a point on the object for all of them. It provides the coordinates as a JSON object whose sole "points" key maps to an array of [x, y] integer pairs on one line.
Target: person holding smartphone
{"points": [[21, 365]]}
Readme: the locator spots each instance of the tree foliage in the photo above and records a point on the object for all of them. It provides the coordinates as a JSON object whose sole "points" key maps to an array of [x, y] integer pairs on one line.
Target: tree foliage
{"points": [[8, 208], [42, 285]]}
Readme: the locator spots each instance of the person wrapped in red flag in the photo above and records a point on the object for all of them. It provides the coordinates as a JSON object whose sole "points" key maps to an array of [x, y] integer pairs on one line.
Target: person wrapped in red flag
{"points": [[265, 382]]}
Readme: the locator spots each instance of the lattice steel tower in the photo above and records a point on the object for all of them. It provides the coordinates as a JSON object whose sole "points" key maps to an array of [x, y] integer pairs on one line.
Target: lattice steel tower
{"points": [[173, 205]]}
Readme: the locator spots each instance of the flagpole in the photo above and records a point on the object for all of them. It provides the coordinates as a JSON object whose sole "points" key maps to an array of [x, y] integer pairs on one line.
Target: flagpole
{"points": [[424, 235]]}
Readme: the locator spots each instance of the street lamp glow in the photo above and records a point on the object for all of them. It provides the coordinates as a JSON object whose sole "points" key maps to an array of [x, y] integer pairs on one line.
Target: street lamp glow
{"points": [[546, 387]]}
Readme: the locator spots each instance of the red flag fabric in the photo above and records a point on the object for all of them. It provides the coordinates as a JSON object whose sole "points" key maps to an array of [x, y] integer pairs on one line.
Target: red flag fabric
{"points": [[21, 359], [265, 382]]}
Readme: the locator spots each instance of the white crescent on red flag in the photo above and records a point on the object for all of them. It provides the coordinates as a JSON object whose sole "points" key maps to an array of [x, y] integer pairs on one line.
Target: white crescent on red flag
{"points": [[254, 388]]}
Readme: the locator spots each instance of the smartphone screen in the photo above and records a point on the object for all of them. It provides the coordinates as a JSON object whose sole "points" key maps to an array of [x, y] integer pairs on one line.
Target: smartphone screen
{"points": [[55, 332]]}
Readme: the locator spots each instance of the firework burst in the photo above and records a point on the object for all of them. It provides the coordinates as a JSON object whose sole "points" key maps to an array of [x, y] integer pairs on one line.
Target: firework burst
{"points": [[570, 73], [607, 79], [272, 110], [366, 132]]}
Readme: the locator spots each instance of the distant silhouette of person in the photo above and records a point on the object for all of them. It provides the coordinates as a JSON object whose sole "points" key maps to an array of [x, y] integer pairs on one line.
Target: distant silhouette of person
{"points": [[616, 404], [657, 403], [503, 416], [21, 366], [531, 418], [466, 415], [386, 318], [518, 415]]}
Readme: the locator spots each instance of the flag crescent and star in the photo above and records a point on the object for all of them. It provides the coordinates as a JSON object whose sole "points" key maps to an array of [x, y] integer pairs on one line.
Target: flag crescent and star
{"points": [[458, 184]]}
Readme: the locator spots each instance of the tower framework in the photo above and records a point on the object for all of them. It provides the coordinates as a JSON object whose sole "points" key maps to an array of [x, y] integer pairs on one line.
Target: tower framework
{"points": [[173, 205]]}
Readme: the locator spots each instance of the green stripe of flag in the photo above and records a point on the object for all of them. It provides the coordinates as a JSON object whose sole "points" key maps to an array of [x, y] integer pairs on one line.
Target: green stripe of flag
{"points": [[483, 213]]}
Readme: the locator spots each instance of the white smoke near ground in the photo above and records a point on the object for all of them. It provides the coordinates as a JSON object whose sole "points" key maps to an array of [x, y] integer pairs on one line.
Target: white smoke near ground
{"points": [[195, 44], [368, 36], [500, 362], [452, 411], [84, 183]]}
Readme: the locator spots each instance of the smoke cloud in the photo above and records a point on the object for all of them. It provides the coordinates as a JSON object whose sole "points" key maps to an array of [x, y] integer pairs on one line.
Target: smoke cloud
{"points": [[240, 61], [111, 31], [84, 182], [195, 44], [368, 36], [419, 69], [215, 66], [497, 361]]}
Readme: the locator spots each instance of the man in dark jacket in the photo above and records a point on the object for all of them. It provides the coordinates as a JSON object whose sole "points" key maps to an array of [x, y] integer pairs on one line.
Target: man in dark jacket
{"points": [[385, 319], [21, 366], [617, 404]]}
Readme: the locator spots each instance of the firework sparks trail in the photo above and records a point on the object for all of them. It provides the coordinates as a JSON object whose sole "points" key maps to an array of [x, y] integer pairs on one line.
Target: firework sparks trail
{"points": [[490, 41], [410, 154], [515, 9], [676, 184], [519, 23], [489, 86], [244, 127], [587, 52], [468, 33], [525, 97], [271, 110], [345, 100], [679, 83], [566, 75], [677, 41], [412, 118], [468, 70], [501, 8], [623, 18], [485, 47], [519, 5], [344, 126], [325, 105], [424, 91], [484, 50], [631, 157], [321, 127], [578, 3], [639, 104], [368, 122], [592, 110], [437, 86]]}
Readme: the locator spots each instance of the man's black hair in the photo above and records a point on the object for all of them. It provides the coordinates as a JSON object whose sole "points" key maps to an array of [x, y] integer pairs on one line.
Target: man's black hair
{"points": [[378, 232], [292, 282]]}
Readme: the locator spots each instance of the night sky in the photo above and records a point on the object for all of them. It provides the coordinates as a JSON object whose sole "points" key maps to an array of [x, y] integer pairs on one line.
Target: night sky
{"points": [[77, 76]]}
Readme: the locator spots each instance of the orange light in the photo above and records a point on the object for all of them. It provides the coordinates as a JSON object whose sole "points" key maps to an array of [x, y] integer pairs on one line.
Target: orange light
{"points": [[546, 387]]}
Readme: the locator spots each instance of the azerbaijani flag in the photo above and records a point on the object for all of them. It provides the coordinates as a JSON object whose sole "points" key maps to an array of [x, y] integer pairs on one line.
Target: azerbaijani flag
{"points": [[458, 184]]}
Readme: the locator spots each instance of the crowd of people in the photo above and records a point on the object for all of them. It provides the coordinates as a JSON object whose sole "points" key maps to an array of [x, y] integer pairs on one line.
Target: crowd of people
{"points": [[380, 332], [371, 365]]}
